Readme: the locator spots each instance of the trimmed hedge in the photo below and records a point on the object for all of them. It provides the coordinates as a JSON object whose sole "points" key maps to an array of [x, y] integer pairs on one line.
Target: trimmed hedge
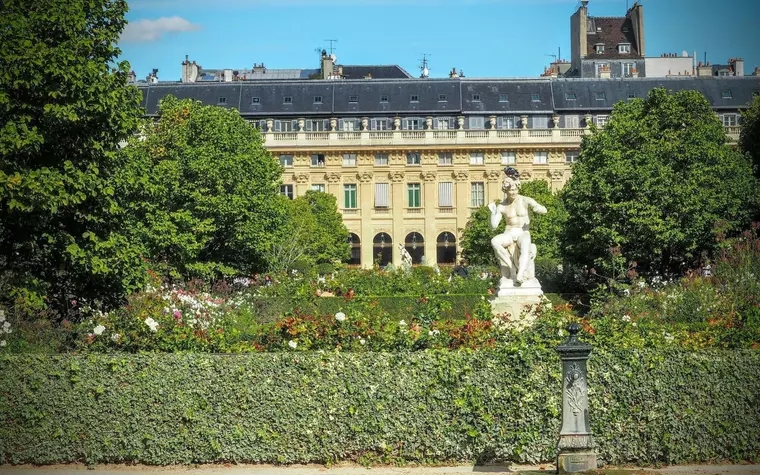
{"points": [[645, 406]]}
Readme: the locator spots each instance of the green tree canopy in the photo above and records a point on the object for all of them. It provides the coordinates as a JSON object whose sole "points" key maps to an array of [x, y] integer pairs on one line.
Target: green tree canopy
{"points": [[201, 192], [64, 107], [544, 229], [658, 181], [749, 139]]}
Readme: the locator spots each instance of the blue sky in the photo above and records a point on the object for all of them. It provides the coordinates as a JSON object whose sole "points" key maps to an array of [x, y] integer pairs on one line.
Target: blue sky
{"points": [[484, 38]]}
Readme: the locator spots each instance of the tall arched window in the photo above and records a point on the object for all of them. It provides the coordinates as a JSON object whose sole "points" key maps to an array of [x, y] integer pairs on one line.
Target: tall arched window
{"points": [[356, 250], [415, 246], [382, 249], [446, 248]]}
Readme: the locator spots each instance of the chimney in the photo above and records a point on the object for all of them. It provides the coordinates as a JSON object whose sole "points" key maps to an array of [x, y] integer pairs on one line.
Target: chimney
{"points": [[578, 35], [756, 72], [636, 14], [189, 70], [453, 74], [704, 70], [328, 65], [738, 65]]}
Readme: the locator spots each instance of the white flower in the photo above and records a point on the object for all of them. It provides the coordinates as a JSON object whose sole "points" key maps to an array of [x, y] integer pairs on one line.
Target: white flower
{"points": [[340, 316], [626, 318], [402, 323], [115, 337], [6, 324], [151, 323], [99, 330], [362, 341], [634, 324], [434, 332], [292, 344], [626, 292], [2, 315], [3, 343]]}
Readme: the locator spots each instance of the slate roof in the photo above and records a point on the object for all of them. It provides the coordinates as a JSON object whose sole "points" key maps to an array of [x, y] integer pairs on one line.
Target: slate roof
{"points": [[441, 96], [377, 72], [611, 31]]}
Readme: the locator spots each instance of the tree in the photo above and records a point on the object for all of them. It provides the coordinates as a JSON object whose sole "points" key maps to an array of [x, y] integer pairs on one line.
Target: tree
{"points": [[749, 138], [314, 233], [64, 107], [655, 186], [201, 192], [544, 229]]}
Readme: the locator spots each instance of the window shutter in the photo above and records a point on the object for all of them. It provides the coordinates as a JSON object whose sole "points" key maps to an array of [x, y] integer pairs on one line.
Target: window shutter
{"points": [[445, 194], [382, 195]]}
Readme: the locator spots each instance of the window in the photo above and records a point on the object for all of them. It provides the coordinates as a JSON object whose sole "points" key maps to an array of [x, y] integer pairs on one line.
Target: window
{"points": [[318, 160], [445, 158], [624, 48], [508, 158], [380, 124], [601, 120], [540, 158], [285, 125], [381, 159], [539, 122], [445, 194], [628, 69], [477, 194], [599, 49], [287, 100], [384, 98], [476, 98], [569, 96], [723, 72], [353, 98], [631, 95], [729, 120], [349, 125], [316, 125], [503, 97], [600, 96], [349, 159], [442, 98], [414, 98], [726, 94], [443, 123], [382, 195], [601, 67], [349, 196], [535, 98], [572, 122], [413, 158], [286, 160], [255, 100], [318, 187], [412, 123], [476, 158], [317, 99], [287, 190], [414, 195], [506, 122], [222, 100], [476, 123], [571, 157]]}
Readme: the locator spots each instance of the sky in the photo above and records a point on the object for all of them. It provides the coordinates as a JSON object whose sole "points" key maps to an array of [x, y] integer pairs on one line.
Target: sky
{"points": [[483, 38]]}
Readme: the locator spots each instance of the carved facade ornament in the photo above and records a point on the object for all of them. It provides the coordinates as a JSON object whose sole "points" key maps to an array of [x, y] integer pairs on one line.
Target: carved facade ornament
{"points": [[428, 176], [333, 177], [364, 177], [460, 175], [527, 174], [301, 178], [493, 175], [396, 177], [524, 156], [557, 174], [555, 156]]}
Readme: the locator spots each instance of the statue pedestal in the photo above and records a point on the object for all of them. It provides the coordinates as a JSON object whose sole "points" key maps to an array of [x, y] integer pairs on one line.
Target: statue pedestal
{"points": [[513, 300]]}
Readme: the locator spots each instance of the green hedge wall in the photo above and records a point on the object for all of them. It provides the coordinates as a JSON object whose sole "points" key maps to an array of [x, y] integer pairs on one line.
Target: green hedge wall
{"points": [[646, 407]]}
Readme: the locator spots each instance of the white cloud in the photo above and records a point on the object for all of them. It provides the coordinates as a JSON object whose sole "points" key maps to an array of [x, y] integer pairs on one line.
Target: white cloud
{"points": [[151, 30]]}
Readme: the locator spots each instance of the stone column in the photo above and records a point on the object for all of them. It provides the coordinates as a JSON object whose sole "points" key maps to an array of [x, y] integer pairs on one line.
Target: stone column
{"points": [[576, 445]]}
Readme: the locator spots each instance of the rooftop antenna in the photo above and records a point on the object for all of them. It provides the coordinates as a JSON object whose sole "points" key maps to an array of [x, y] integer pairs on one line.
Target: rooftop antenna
{"points": [[424, 66], [332, 48]]}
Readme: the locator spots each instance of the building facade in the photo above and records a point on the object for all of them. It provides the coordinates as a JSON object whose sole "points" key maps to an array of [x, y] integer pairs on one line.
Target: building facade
{"points": [[410, 159]]}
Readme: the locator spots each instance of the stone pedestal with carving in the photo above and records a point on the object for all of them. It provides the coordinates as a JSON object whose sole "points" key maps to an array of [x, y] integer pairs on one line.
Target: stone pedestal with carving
{"points": [[576, 444]]}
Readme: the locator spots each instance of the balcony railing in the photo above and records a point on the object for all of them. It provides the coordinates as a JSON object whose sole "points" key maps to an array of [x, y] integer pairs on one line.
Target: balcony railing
{"points": [[415, 138]]}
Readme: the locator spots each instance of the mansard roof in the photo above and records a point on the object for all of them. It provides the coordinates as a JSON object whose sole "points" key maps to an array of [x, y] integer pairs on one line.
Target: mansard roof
{"points": [[460, 96]]}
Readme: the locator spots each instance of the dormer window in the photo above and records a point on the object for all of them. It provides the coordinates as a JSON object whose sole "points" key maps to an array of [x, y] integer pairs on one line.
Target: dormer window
{"points": [[353, 98], [726, 94], [624, 48], [599, 49], [476, 98], [287, 100], [222, 100]]}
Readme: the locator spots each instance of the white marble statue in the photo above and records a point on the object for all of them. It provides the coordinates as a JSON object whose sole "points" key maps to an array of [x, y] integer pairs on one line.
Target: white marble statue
{"points": [[406, 258], [514, 250]]}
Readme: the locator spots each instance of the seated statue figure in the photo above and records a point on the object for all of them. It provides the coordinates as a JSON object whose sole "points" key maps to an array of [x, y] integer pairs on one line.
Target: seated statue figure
{"points": [[406, 258], [514, 250]]}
